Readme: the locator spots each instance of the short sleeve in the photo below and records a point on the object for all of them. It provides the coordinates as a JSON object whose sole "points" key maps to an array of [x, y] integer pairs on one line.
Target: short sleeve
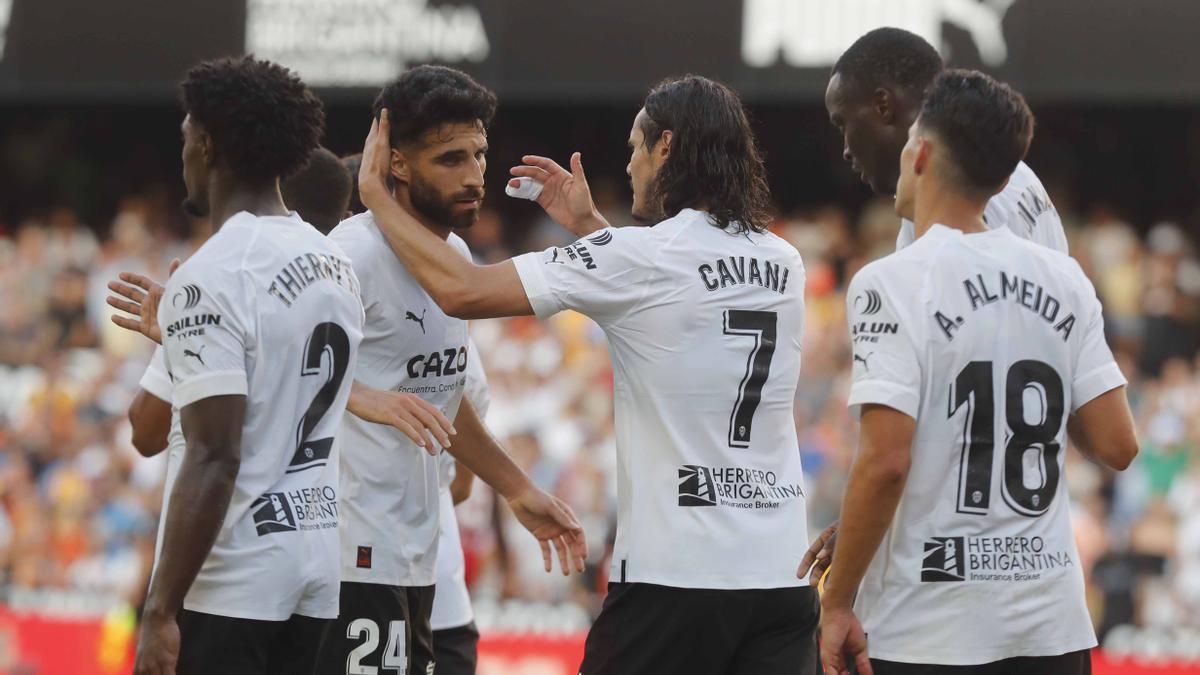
{"points": [[205, 337], [887, 369], [1096, 371], [601, 276], [1049, 231], [477, 390], [156, 381]]}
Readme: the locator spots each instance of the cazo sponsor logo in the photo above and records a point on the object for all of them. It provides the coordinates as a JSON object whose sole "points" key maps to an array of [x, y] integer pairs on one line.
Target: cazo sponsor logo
{"points": [[814, 33], [735, 487], [991, 559], [313, 508]]}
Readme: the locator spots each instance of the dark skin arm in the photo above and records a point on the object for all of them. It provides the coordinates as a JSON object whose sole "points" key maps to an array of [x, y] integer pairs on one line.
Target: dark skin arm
{"points": [[150, 417], [213, 430], [873, 492], [546, 517]]}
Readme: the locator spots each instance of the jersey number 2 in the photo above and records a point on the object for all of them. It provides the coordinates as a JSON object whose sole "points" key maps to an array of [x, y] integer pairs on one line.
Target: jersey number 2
{"points": [[1031, 452], [761, 327], [326, 338]]}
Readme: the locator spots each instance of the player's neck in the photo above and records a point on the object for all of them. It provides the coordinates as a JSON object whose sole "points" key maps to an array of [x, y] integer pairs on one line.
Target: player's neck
{"points": [[938, 205], [228, 196]]}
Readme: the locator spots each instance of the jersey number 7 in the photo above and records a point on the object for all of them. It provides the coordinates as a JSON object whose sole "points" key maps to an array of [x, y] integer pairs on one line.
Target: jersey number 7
{"points": [[761, 326]]}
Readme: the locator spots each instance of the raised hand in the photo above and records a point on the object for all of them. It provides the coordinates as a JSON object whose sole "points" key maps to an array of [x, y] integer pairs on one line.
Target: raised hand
{"points": [[139, 296], [565, 194], [376, 163], [552, 522]]}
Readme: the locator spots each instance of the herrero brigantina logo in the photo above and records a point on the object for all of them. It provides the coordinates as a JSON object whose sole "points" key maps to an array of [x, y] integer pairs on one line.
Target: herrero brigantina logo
{"points": [[735, 487]]}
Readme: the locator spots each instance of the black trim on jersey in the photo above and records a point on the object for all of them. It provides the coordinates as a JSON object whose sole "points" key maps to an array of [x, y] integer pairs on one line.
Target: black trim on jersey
{"points": [[310, 455]]}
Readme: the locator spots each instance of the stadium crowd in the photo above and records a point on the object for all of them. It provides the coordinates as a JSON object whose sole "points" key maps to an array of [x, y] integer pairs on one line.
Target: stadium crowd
{"points": [[80, 506]]}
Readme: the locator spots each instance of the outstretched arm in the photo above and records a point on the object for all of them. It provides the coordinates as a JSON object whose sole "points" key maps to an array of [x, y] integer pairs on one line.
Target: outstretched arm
{"points": [[459, 287], [546, 517]]}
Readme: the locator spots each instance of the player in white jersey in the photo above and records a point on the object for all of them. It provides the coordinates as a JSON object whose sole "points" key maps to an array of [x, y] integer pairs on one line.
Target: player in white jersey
{"points": [[972, 348], [247, 573], [873, 98], [703, 312], [391, 515]]}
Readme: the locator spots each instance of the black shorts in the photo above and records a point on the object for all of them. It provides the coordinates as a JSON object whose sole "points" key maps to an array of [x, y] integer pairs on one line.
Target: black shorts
{"points": [[1071, 663], [456, 650], [661, 630], [220, 644], [381, 627]]}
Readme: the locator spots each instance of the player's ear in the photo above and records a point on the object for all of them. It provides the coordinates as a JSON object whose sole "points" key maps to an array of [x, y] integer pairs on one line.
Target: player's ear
{"points": [[400, 167], [664, 146], [921, 161], [885, 105], [208, 148]]}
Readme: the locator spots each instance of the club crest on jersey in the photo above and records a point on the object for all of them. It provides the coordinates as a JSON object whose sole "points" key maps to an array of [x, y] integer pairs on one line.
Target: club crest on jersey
{"points": [[189, 296], [601, 238]]}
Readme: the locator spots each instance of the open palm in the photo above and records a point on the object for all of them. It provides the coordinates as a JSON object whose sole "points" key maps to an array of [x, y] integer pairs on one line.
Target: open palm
{"points": [[565, 195]]}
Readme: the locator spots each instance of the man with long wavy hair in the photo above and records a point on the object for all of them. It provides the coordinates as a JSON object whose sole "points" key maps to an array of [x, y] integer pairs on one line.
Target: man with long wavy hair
{"points": [[703, 311]]}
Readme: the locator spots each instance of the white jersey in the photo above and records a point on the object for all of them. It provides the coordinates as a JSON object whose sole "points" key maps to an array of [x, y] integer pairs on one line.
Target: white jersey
{"points": [[451, 601], [989, 342], [703, 327], [1022, 206], [391, 484], [157, 381], [268, 308]]}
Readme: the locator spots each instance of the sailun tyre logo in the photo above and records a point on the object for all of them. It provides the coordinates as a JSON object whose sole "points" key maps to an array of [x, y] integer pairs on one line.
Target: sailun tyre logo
{"points": [[189, 296], [868, 302], [944, 560], [601, 238], [273, 514]]}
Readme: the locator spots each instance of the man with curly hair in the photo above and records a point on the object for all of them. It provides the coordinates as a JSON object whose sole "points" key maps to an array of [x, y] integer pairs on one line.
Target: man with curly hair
{"points": [[259, 329]]}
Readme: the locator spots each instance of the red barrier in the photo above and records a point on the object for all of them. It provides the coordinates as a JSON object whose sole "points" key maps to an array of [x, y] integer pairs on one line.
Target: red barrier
{"points": [[31, 644]]}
